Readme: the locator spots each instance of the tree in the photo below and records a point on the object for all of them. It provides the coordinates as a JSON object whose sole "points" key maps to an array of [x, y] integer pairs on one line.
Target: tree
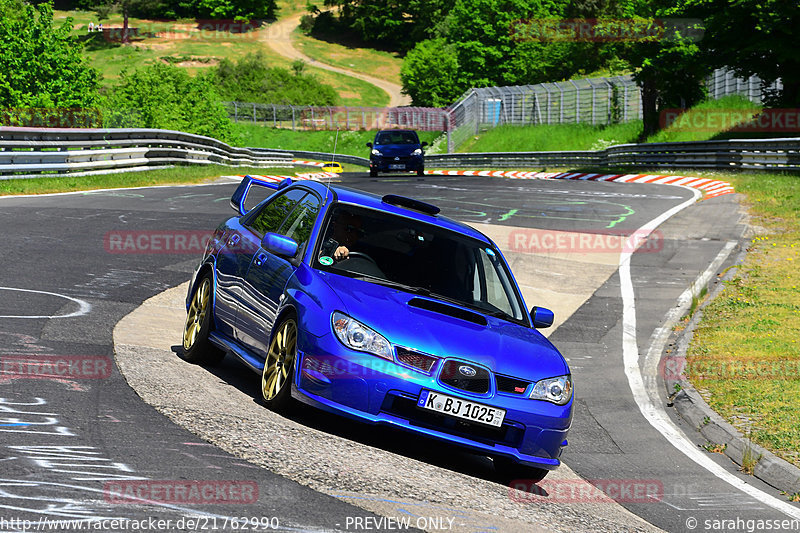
{"points": [[666, 62], [391, 24], [41, 65], [430, 74], [163, 96], [754, 37]]}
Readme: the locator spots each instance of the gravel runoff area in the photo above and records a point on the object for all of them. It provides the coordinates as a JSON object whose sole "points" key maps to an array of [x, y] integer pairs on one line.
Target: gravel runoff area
{"points": [[380, 470]]}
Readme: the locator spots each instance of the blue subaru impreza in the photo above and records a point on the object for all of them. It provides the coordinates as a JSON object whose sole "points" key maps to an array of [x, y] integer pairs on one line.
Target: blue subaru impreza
{"points": [[380, 309]]}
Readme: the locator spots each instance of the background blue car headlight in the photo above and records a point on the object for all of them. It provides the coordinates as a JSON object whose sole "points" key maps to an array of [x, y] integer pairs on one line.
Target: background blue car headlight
{"points": [[557, 390], [376, 152], [357, 336], [418, 151]]}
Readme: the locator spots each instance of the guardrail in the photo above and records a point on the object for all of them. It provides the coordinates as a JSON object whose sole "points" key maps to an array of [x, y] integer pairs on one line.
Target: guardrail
{"points": [[745, 154], [30, 153], [39, 152]]}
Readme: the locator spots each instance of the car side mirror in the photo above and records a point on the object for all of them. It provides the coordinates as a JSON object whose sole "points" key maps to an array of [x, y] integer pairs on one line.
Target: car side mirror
{"points": [[542, 317], [424, 144], [279, 245], [369, 145]]}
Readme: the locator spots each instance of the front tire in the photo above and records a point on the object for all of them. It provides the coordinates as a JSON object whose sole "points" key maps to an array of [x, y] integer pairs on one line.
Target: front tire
{"points": [[276, 378], [197, 348], [373, 173], [421, 172]]}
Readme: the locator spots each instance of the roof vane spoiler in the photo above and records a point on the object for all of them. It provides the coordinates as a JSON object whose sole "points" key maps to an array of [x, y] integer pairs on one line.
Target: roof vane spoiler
{"points": [[411, 203]]}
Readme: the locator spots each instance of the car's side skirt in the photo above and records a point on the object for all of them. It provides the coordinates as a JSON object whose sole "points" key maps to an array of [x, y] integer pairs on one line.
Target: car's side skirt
{"points": [[255, 364]]}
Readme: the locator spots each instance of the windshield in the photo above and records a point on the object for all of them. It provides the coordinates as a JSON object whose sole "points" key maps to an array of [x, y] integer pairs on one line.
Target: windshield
{"points": [[397, 137], [387, 249]]}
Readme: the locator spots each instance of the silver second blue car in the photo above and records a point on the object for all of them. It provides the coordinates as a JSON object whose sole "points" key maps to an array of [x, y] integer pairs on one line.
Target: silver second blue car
{"points": [[382, 310]]}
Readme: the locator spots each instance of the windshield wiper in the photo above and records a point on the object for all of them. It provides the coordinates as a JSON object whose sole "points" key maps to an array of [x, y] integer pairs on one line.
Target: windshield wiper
{"points": [[394, 284]]}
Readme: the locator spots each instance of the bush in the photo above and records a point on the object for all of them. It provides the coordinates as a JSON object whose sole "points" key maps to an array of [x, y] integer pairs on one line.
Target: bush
{"points": [[251, 79], [163, 96]]}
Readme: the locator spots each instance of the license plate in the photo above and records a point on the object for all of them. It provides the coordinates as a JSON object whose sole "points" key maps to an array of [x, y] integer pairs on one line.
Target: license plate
{"points": [[397, 167], [474, 412]]}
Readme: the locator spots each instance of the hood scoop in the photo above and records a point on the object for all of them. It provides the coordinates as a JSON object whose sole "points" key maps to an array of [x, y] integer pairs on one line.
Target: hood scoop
{"points": [[449, 310]]}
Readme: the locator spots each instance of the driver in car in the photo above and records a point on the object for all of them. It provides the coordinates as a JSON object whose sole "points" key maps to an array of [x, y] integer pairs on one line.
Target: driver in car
{"points": [[345, 232]]}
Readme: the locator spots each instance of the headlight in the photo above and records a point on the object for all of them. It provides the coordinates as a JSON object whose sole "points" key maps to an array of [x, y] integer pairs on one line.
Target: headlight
{"points": [[376, 152], [357, 336], [557, 390], [418, 151]]}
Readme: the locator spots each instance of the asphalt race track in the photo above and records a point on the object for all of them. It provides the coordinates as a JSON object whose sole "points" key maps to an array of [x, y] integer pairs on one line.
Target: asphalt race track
{"points": [[68, 444]]}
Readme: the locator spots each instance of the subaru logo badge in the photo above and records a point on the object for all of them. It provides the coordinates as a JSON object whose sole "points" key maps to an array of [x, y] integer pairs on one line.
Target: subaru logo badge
{"points": [[397, 159], [467, 371]]}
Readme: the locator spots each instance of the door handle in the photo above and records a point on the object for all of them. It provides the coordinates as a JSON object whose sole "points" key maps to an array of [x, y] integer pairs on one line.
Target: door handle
{"points": [[234, 239], [260, 258]]}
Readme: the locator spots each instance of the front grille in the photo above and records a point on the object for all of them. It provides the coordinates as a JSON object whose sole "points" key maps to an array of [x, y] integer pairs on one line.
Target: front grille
{"points": [[507, 434], [456, 375], [416, 359], [510, 385]]}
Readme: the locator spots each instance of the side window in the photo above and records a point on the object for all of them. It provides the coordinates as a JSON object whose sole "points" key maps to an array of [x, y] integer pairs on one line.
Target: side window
{"points": [[271, 216], [299, 223]]}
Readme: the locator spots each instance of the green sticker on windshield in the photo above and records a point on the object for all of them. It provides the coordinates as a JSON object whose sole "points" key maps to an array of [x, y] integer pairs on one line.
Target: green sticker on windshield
{"points": [[325, 260]]}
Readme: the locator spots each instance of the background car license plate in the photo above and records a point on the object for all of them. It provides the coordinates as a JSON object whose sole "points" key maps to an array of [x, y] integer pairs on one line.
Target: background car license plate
{"points": [[397, 167], [459, 408]]}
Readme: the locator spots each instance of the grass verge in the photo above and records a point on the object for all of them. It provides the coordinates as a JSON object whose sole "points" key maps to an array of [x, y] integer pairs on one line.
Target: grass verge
{"points": [[747, 340], [552, 137], [707, 120], [168, 176]]}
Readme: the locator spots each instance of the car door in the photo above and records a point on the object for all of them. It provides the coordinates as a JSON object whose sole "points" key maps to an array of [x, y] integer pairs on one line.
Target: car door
{"points": [[243, 240], [268, 274]]}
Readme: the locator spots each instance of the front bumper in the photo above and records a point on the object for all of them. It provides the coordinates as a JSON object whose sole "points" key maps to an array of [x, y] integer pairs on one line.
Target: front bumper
{"points": [[365, 387], [396, 164]]}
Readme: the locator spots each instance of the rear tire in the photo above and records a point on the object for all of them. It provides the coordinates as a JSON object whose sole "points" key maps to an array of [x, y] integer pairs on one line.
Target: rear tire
{"points": [[278, 373], [509, 470], [197, 348]]}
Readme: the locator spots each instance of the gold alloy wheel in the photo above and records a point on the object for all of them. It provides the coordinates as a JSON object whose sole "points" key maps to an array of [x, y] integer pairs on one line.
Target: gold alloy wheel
{"points": [[280, 358], [197, 314]]}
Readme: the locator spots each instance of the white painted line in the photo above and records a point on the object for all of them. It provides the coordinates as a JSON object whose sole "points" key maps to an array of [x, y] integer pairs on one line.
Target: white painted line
{"points": [[654, 412], [83, 307]]}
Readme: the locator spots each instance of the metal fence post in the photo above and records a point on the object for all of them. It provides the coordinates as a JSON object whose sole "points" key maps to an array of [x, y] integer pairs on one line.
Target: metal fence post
{"points": [[235, 112], [625, 105], [577, 103]]}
